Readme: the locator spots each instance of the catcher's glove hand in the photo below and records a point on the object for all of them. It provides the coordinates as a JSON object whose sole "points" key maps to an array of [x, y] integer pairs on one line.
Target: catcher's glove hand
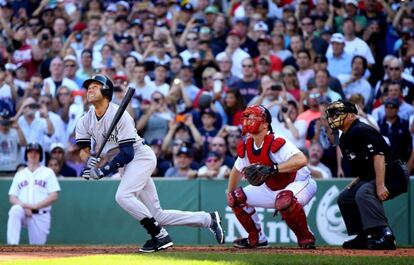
{"points": [[257, 174]]}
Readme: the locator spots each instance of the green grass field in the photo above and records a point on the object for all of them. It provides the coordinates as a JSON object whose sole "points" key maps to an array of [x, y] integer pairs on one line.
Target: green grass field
{"points": [[202, 258]]}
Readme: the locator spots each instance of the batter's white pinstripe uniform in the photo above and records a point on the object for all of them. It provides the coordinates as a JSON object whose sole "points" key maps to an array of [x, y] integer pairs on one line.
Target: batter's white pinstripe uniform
{"points": [[136, 192]]}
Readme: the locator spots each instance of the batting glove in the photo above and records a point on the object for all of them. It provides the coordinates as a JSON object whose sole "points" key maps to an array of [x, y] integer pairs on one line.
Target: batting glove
{"points": [[96, 173], [92, 161], [86, 173]]}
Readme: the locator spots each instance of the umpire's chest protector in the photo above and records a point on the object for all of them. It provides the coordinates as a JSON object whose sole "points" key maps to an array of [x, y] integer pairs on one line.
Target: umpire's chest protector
{"points": [[276, 181]]}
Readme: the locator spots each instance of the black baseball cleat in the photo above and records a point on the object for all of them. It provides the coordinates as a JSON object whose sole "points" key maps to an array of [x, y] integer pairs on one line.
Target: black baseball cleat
{"points": [[216, 228], [382, 241], [359, 242], [155, 244], [244, 243]]}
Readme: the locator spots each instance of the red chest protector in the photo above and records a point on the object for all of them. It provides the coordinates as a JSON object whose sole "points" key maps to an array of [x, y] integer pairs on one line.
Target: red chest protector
{"points": [[277, 181]]}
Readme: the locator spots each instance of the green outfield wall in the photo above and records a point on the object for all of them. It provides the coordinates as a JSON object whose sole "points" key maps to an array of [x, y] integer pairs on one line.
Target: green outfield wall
{"points": [[86, 213]]}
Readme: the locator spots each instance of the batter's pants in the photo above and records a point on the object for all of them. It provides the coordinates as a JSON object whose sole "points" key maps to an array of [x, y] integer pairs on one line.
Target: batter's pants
{"points": [[138, 196]]}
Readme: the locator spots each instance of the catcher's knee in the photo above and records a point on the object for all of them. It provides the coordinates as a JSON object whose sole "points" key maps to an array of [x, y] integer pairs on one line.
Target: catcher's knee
{"points": [[236, 198], [284, 200]]}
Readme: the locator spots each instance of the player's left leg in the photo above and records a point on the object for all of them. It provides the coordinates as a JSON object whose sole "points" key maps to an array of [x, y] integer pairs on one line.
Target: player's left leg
{"points": [[134, 182], [289, 202], [14, 224], [212, 220], [38, 227]]}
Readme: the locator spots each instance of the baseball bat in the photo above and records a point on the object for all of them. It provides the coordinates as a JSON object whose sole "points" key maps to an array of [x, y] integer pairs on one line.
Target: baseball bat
{"points": [[117, 117]]}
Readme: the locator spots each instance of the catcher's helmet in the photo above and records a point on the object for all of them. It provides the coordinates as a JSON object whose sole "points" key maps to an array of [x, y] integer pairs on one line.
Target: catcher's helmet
{"points": [[337, 111], [261, 114], [107, 85], [33, 146]]}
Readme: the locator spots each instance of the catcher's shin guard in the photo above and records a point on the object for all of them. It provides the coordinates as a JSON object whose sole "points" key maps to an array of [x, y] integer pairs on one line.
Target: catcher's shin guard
{"points": [[294, 215], [249, 224]]}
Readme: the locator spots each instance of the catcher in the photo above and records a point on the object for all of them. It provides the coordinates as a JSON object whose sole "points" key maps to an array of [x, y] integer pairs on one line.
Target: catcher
{"points": [[278, 177]]}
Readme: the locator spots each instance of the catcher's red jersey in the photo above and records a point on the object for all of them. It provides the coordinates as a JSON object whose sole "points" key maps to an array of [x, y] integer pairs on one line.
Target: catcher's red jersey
{"points": [[271, 144]]}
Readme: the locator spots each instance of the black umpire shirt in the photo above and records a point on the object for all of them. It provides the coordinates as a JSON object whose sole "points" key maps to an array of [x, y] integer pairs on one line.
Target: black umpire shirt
{"points": [[359, 145]]}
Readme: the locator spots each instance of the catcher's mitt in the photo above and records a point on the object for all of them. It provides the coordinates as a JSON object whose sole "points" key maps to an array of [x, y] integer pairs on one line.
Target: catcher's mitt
{"points": [[257, 174]]}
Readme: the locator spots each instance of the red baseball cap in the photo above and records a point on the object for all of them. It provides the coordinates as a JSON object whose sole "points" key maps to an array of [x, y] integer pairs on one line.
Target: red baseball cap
{"points": [[235, 32]]}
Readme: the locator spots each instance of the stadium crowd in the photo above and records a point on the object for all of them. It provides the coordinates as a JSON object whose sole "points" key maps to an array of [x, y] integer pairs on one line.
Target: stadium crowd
{"points": [[195, 65]]}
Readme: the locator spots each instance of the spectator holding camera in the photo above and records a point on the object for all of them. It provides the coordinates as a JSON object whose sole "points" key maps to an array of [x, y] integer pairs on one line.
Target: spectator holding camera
{"points": [[8, 91], [178, 100], [181, 129], [153, 124], [287, 125], [59, 133], [33, 126]]}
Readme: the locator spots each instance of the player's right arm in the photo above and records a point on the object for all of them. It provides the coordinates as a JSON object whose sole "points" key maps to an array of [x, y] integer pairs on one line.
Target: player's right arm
{"points": [[234, 179], [235, 174], [83, 138]]}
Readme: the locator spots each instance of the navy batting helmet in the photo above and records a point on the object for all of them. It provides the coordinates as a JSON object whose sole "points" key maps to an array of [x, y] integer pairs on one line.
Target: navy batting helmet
{"points": [[36, 147], [107, 85]]}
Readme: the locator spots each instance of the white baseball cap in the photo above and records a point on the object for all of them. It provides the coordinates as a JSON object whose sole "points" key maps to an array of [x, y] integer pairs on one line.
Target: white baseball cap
{"points": [[352, 2], [337, 37], [70, 57], [57, 145], [260, 25]]}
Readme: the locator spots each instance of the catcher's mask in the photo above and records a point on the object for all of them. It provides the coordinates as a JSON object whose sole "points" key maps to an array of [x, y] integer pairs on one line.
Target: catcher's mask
{"points": [[253, 117], [337, 111]]}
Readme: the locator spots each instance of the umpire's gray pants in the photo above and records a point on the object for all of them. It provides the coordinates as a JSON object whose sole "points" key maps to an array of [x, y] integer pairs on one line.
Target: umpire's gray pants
{"points": [[361, 208]]}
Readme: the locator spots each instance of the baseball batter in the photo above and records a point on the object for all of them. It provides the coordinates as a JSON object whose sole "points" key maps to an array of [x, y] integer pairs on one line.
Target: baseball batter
{"points": [[279, 179], [136, 192], [32, 193]]}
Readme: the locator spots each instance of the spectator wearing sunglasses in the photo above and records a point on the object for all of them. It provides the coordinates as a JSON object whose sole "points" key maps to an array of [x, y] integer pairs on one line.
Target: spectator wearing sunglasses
{"points": [[213, 167]]}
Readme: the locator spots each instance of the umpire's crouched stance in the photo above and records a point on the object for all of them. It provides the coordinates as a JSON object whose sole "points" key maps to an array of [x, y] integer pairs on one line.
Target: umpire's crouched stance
{"points": [[379, 177]]}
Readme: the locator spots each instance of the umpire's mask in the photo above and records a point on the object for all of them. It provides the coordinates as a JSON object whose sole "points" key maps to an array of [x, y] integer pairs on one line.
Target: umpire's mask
{"points": [[337, 111]]}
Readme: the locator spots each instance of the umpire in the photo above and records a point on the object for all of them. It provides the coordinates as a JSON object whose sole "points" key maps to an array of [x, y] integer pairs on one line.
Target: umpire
{"points": [[378, 177]]}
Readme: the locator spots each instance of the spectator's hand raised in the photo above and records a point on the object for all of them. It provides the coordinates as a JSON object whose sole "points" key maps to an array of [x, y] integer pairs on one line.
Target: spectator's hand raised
{"points": [[188, 120], [43, 111], [172, 124]]}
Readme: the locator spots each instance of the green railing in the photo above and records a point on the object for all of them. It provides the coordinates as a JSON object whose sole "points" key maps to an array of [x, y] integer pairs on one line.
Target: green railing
{"points": [[86, 213]]}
